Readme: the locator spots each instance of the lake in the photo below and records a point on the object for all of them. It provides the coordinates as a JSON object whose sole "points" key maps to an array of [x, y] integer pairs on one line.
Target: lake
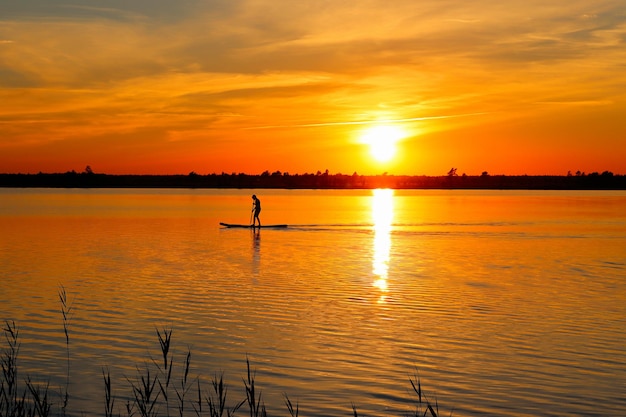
{"points": [[504, 303]]}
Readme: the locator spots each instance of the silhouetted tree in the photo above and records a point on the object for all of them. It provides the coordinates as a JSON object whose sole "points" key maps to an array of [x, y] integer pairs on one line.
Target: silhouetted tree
{"points": [[452, 172]]}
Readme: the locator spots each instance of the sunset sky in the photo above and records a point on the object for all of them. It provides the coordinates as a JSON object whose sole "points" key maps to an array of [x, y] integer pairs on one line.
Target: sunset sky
{"points": [[170, 87]]}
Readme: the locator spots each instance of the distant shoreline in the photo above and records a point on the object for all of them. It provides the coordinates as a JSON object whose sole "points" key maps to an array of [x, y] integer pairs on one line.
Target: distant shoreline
{"points": [[277, 180]]}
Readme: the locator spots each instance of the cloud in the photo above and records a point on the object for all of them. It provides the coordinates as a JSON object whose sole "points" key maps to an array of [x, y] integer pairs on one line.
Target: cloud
{"points": [[208, 68], [162, 10], [366, 122]]}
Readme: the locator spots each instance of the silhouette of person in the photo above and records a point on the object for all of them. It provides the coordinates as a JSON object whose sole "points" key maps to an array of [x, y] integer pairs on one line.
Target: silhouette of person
{"points": [[256, 207]]}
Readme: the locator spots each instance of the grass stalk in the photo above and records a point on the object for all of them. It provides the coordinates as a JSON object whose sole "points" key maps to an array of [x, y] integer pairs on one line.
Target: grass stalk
{"points": [[145, 395], [183, 386], [292, 412], [109, 400], [422, 401], [256, 405], [66, 310], [217, 399], [9, 402], [40, 398], [197, 405], [165, 342]]}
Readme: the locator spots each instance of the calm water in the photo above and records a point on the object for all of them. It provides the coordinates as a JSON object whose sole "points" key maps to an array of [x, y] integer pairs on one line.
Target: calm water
{"points": [[505, 303]]}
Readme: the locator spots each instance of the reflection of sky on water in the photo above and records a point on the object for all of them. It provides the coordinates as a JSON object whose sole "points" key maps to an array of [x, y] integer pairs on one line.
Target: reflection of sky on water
{"points": [[169, 263], [382, 216]]}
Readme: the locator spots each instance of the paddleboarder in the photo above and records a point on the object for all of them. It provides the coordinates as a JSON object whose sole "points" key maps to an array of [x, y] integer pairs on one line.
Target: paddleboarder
{"points": [[256, 208]]}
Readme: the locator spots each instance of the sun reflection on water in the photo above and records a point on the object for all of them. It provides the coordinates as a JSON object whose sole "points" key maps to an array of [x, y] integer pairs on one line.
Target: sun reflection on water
{"points": [[382, 216]]}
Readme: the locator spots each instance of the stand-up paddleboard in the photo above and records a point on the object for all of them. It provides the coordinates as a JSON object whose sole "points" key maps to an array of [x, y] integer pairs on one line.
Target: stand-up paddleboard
{"points": [[248, 226]]}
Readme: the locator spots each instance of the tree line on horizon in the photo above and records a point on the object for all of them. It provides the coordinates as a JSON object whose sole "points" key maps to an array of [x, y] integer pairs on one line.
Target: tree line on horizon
{"points": [[319, 180]]}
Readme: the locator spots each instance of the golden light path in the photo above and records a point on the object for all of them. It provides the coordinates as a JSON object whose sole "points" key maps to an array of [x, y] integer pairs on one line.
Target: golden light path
{"points": [[382, 216]]}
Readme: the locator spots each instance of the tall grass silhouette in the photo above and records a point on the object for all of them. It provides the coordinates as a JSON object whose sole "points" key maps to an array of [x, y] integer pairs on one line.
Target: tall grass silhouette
{"points": [[66, 310], [155, 389]]}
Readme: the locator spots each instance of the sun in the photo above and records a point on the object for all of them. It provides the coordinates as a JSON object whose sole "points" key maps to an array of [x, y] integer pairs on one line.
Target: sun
{"points": [[382, 141]]}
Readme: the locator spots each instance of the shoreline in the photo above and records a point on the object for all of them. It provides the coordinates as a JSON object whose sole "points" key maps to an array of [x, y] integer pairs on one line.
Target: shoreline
{"points": [[593, 181]]}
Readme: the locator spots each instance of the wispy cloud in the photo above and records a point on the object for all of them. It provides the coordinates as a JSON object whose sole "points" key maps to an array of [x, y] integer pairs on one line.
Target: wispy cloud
{"points": [[208, 69], [365, 122]]}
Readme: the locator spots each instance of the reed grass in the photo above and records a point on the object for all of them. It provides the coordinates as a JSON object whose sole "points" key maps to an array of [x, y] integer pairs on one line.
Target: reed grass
{"points": [[153, 390], [66, 310]]}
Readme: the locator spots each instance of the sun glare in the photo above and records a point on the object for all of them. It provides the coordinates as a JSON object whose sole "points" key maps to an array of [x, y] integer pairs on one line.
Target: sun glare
{"points": [[382, 141]]}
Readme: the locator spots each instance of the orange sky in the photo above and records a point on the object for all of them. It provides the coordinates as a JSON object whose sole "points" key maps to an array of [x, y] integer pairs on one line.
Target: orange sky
{"points": [[164, 87]]}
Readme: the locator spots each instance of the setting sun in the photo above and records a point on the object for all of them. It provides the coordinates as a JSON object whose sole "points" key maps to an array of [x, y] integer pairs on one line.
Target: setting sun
{"points": [[382, 141]]}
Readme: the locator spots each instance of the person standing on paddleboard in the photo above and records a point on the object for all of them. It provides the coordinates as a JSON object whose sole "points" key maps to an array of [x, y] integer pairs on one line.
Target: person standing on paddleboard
{"points": [[256, 208]]}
